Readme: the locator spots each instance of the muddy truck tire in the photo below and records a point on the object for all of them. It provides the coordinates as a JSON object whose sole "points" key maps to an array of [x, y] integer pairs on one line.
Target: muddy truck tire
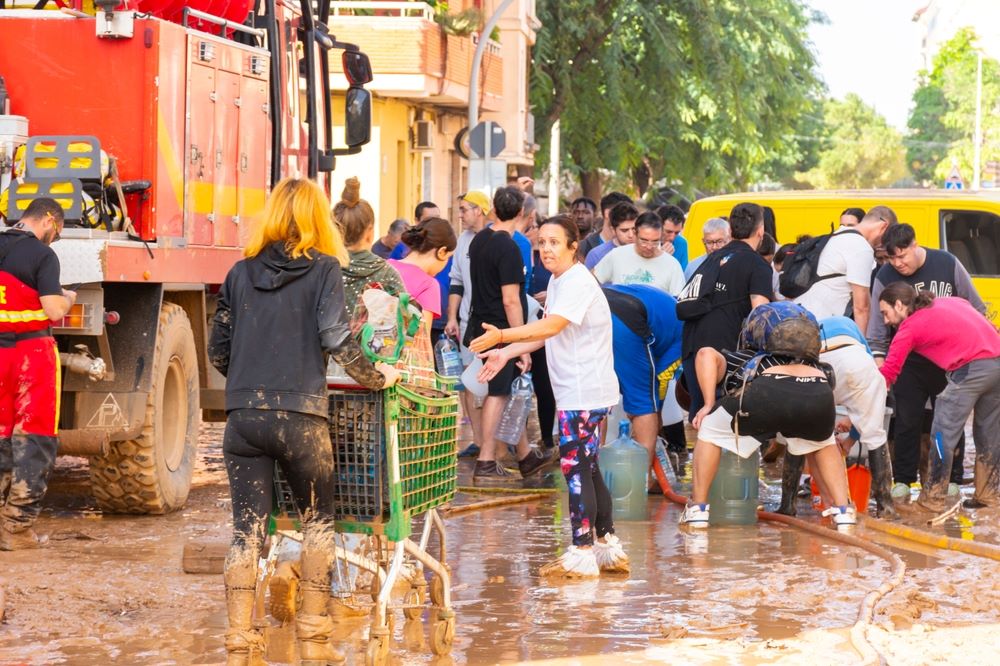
{"points": [[152, 473]]}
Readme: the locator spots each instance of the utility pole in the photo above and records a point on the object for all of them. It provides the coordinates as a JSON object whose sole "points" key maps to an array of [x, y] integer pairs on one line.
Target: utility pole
{"points": [[554, 169], [477, 61], [978, 138]]}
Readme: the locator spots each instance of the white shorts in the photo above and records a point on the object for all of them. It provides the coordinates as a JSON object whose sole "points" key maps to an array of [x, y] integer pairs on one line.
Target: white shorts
{"points": [[716, 428], [860, 391]]}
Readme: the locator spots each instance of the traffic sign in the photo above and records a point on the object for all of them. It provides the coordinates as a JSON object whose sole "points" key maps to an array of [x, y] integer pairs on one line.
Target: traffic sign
{"points": [[954, 180], [487, 139], [487, 175]]}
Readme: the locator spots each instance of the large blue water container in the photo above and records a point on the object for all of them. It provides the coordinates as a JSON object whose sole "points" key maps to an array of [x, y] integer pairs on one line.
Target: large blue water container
{"points": [[733, 497], [625, 466]]}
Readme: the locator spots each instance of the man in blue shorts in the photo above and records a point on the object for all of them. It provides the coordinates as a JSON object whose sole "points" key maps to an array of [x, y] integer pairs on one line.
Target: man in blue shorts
{"points": [[646, 337]]}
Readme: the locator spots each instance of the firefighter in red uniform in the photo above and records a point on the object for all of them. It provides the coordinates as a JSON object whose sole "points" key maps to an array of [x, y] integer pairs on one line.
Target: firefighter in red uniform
{"points": [[31, 298]]}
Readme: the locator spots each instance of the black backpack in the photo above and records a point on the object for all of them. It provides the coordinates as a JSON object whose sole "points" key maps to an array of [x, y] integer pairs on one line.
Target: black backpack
{"points": [[699, 296], [800, 270]]}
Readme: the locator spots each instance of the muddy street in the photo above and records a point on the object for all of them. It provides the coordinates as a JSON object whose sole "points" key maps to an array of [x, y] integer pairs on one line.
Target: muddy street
{"points": [[110, 589]]}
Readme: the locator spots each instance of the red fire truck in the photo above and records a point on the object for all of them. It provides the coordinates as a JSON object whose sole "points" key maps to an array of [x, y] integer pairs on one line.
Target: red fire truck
{"points": [[159, 126]]}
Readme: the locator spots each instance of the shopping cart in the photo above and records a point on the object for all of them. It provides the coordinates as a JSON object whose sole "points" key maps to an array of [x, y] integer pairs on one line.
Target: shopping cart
{"points": [[394, 461]]}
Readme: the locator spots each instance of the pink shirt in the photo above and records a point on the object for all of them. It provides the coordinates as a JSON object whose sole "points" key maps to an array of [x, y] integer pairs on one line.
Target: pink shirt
{"points": [[423, 288], [951, 333]]}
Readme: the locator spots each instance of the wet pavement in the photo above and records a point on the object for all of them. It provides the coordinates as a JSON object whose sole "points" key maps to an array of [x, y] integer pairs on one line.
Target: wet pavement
{"points": [[111, 590]]}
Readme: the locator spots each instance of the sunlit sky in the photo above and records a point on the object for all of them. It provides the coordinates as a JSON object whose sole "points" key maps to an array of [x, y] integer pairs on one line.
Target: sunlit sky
{"points": [[872, 48]]}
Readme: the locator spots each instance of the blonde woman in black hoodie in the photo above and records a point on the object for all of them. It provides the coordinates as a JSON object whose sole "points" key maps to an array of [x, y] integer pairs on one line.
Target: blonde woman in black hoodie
{"points": [[281, 311]]}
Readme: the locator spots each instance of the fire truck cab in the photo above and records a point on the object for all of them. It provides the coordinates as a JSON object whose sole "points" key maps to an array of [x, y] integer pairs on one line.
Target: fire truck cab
{"points": [[159, 126]]}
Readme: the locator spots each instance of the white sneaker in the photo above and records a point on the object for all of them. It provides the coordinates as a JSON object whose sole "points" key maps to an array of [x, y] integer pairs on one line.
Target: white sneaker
{"points": [[843, 516], [611, 557], [574, 563], [695, 515]]}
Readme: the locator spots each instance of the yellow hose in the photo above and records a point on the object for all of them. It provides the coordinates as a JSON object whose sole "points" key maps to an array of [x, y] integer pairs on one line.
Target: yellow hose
{"points": [[493, 503], [935, 540], [506, 491]]}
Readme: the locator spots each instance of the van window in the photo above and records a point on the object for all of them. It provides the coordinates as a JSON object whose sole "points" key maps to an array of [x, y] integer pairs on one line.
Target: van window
{"points": [[974, 238]]}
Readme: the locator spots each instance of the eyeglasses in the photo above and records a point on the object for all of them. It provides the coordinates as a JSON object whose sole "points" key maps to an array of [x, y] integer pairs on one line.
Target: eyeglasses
{"points": [[647, 243], [713, 243], [464, 209]]}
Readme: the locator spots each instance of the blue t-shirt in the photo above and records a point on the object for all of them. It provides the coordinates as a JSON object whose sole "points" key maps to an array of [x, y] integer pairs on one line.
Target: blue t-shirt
{"points": [[400, 251], [539, 276], [444, 282], [681, 250], [594, 256], [524, 245], [837, 331], [661, 315]]}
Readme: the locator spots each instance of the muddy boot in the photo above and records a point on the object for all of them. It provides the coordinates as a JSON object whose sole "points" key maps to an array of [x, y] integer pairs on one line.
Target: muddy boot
{"points": [[934, 494], [244, 643], [283, 592], [791, 472], [881, 469], [313, 625], [987, 480], [22, 539], [6, 468]]}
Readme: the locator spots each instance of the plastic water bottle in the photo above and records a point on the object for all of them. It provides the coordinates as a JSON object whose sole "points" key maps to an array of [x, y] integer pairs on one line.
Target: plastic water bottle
{"points": [[448, 359], [668, 468], [734, 494], [515, 413], [624, 464]]}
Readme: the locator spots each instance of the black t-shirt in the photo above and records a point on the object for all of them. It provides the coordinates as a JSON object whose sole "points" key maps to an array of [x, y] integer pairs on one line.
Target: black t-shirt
{"points": [[742, 273], [494, 261], [589, 243], [31, 261]]}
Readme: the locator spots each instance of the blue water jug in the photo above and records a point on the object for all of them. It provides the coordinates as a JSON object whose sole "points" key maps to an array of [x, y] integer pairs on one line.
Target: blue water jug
{"points": [[625, 466], [733, 497]]}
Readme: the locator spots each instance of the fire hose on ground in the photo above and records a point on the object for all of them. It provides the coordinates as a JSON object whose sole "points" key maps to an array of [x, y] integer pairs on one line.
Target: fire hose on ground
{"points": [[859, 637]]}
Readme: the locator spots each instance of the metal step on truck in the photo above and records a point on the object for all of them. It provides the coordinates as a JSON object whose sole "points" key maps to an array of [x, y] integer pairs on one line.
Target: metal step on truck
{"points": [[159, 126]]}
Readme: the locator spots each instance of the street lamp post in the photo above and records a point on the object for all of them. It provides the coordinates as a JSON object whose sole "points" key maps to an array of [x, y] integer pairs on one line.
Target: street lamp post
{"points": [[978, 138]]}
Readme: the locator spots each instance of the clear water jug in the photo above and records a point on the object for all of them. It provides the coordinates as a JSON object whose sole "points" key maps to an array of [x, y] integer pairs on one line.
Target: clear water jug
{"points": [[625, 466], [448, 359], [733, 496], [515, 413]]}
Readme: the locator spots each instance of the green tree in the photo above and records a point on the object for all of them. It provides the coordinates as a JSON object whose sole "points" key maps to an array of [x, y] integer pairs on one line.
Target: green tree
{"points": [[695, 91], [863, 150], [942, 122]]}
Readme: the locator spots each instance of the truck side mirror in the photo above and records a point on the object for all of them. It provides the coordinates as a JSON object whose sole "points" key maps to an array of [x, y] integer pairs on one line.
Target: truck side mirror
{"points": [[357, 68], [358, 117]]}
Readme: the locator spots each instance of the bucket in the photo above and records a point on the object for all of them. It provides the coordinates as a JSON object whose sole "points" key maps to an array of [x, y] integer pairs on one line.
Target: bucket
{"points": [[859, 487], [733, 497]]}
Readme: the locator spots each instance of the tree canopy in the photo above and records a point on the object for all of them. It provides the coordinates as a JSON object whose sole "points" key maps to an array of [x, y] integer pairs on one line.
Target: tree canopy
{"points": [[942, 121], [706, 93], [861, 149]]}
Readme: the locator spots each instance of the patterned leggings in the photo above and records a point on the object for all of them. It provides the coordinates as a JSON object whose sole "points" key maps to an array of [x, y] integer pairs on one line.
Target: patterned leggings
{"points": [[589, 499]]}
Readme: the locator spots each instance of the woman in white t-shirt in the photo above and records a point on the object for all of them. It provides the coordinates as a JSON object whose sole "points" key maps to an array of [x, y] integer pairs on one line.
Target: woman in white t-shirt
{"points": [[576, 333]]}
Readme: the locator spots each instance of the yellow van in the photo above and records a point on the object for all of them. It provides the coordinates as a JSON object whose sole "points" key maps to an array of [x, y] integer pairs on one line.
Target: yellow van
{"points": [[965, 223]]}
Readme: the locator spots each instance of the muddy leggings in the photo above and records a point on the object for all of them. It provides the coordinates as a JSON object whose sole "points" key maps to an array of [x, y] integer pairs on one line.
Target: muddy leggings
{"points": [[300, 443], [589, 499]]}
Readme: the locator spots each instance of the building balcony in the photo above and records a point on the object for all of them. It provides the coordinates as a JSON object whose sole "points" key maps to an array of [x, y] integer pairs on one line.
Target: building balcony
{"points": [[412, 57]]}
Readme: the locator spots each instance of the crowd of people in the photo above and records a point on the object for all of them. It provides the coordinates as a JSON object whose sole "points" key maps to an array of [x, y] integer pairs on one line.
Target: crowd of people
{"points": [[757, 342]]}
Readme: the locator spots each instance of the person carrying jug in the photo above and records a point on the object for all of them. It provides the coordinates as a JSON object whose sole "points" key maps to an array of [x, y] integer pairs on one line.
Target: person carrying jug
{"points": [[774, 383]]}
